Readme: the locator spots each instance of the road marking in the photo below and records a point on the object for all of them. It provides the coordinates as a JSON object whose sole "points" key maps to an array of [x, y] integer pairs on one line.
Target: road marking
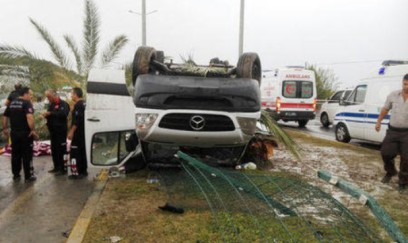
{"points": [[84, 219]]}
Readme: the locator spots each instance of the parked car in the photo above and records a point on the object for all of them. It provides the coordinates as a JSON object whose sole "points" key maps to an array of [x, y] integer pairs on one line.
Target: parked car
{"points": [[358, 114], [329, 108]]}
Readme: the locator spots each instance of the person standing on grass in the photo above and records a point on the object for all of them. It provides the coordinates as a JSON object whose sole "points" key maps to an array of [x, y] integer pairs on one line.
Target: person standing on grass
{"points": [[78, 161], [396, 139], [20, 112], [57, 123]]}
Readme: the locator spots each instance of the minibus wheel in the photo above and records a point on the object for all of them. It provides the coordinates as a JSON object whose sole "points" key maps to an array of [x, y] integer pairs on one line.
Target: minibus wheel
{"points": [[141, 61]]}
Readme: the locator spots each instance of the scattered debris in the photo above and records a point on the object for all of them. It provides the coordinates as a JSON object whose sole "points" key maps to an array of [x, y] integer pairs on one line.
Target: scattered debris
{"points": [[116, 172], [172, 209], [246, 166], [260, 150], [152, 181], [115, 239], [66, 233]]}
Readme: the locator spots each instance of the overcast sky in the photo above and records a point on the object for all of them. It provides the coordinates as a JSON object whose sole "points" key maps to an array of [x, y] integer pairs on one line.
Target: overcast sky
{"points": [[351, 37]]}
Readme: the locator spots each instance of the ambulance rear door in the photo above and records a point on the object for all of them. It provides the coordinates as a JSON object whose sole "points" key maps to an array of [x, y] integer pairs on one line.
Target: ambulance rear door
{"points": [[298, 94]]}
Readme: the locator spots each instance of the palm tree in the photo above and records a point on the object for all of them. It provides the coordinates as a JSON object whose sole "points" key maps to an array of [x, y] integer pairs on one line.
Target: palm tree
{"points": [[85, 57], [326, 81], [41, 74]]}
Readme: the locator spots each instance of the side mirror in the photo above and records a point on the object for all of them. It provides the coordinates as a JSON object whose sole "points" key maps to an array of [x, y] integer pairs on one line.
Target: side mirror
{"points": [[343, 102]]}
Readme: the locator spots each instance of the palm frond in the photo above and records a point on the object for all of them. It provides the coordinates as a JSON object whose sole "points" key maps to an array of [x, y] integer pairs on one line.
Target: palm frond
{"points": [[14, 71], [11, 52], [280, 135], [74, 48], [55, 49], [91, 34], [189, 60], [62, 78], [113, 49]]}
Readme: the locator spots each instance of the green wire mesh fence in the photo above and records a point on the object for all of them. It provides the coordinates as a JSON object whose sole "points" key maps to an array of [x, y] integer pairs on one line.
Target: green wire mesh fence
{"points": [[254, 207]]}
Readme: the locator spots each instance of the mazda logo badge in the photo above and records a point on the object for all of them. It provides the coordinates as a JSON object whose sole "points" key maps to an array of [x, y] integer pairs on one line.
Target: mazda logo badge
{"points": [[197, 123]]}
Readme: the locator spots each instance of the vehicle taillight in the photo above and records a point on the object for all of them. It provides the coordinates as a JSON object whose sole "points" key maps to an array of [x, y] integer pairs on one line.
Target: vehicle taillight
{"points": [[278, 104], [314, 105]]}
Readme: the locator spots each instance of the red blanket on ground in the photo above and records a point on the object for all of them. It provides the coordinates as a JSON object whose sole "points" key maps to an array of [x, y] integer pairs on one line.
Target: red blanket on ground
{"points": [[39, 148]]}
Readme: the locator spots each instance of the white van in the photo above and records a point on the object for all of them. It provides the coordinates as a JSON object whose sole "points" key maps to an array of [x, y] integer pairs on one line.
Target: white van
{"points": [[289, 94], [357, 115], [329, 108]]}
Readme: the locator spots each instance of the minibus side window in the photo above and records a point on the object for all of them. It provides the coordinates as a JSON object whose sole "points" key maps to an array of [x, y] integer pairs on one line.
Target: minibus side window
{"points": [[110, 148]]}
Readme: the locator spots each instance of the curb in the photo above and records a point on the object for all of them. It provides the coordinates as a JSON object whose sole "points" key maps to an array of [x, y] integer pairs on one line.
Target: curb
{"points": [[84, 219], [365, 199]]}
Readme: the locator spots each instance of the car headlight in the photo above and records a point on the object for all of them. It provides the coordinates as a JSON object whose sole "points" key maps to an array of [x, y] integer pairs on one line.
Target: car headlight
{"points": [[248, 125], [144, 122]]}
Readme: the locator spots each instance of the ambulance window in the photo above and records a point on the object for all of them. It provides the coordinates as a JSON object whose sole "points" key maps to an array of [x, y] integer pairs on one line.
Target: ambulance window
{"points": [[306, 89], [358, 95], [289, 89]]}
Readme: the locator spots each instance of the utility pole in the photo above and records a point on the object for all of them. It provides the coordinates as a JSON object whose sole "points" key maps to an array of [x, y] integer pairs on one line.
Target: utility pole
{"points": [[241, 29], [143, 22], [143, 14]]}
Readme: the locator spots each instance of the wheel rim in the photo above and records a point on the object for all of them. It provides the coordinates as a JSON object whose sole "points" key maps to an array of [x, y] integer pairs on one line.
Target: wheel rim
{"points": [[341, 133]]}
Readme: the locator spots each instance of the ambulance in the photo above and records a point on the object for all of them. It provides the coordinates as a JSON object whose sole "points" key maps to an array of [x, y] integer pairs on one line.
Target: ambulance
{"points": [[289, 94]]}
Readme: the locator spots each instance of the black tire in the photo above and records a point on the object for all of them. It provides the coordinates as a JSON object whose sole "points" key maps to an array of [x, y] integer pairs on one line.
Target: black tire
{"points": [[160, 56], [342, 134], [141, 61], [302, 123], [324, 119], [249, 66]]}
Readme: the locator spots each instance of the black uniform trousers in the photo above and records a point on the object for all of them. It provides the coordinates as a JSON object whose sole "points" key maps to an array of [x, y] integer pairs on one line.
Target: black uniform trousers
{"points": [[396, 142], [22, 152], [78, 153], [58, 138]]}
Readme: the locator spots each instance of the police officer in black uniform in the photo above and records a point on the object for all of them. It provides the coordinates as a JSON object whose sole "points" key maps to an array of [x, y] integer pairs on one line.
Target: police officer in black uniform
{"points": [[14, 94], [21, 114], [56, 116], [77, 135]]}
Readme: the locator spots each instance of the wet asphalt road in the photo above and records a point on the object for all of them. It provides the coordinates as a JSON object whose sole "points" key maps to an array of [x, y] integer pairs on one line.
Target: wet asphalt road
{"points": [[315, 128], [42, 210]]}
